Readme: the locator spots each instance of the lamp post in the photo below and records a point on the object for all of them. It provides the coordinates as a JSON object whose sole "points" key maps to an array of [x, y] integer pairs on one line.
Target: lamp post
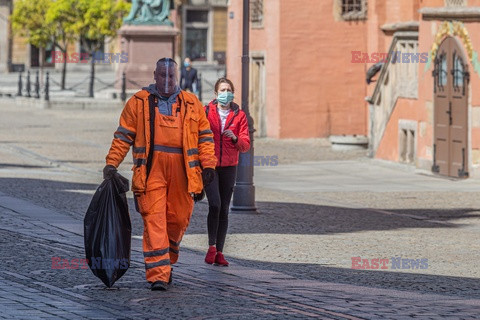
{"points": [[244, 190]]}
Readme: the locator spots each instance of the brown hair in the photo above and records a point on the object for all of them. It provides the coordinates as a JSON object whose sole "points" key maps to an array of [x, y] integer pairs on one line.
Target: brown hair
{"points": [[223, 80]]}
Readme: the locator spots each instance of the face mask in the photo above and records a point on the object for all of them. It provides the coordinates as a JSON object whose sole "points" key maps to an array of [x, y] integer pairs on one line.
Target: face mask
{"points": [[166, 78], [186, 64], [225, 98]]}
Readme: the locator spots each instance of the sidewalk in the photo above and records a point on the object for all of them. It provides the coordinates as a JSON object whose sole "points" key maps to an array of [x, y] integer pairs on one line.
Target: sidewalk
{"points": [[29, 288], [318, 209]]}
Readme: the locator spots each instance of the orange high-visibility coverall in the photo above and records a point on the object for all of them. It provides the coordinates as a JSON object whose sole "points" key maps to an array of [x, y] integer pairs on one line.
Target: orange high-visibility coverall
{"points": [[181, 142]]}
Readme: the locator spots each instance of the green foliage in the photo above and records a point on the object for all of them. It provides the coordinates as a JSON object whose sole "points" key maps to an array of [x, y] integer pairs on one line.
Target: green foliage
{"points": [[65, 21], [63, 16], [100, 19], [28, 20]]}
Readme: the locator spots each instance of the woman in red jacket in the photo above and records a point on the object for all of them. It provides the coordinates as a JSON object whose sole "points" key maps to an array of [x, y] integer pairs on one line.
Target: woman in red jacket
{"points": [[230, 132]]}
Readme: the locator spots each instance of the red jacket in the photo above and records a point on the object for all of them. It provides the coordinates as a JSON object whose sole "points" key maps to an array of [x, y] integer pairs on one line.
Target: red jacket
{"points": [[225, 150]]}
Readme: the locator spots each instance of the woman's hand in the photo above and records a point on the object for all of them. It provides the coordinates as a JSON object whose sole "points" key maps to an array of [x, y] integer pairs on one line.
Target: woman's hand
{"points": [[230, 134]]}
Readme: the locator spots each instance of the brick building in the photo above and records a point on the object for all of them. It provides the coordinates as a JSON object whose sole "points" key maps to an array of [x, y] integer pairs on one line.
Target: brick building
{"points": [[309, 66]]}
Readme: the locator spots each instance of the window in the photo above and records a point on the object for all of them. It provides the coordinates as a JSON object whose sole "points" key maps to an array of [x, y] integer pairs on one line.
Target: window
{"points": [[457, 71], [353, 9], [197, 16], [455, 3], [196, 44], [197, 34], [351, 6], [47, 55], [407, 146], [256, 13], [442, 71], [407, 140]]}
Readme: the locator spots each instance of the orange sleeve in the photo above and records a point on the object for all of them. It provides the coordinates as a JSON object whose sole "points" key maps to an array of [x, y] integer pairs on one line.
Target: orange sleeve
{"points": [[124, 137]]}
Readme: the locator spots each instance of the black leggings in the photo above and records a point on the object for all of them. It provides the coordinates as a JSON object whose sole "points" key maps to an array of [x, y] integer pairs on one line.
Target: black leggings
{"points": [[219, 194]]}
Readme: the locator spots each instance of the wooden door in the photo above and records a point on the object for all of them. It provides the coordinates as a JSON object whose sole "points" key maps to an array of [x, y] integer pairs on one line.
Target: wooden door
{"points": [[257, 96], [450, 110]]}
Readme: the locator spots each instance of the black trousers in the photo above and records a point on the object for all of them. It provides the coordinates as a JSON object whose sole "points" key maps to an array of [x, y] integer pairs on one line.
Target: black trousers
{"points": [[219, 194]]}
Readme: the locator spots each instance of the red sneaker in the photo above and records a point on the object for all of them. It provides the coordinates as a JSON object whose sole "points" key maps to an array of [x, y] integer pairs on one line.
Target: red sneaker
{"points": [[210, 257], [220, 260]]}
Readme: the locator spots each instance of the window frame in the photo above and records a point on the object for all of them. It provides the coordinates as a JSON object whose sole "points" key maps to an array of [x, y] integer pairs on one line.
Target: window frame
{"points": [[258, 23], [352, 15], [198, 25]]}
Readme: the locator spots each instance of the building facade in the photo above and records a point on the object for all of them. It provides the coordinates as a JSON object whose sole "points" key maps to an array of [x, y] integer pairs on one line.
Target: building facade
{"points": [[5, 35], [402, 73], [203, 38], [438, 126], [304, 84]]}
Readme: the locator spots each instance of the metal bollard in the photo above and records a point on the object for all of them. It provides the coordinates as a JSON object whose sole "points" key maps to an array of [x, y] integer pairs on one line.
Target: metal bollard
{"points": [[199, 80], [123, 94], [92, 80], [37, 86], [47, 97], [28, 95], [20, 84]]}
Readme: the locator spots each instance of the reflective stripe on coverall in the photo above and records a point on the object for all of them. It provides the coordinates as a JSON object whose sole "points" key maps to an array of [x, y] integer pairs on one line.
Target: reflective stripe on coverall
{"points": [[134, 130], [164, 222], [166, 206]]}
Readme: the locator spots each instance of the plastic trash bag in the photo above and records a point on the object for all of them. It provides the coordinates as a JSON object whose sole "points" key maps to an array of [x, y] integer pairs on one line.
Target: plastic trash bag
{"points": [[108, 230]]}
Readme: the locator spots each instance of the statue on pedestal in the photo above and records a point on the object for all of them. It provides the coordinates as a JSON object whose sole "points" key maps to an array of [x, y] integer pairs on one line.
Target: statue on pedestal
{"points": [[149, 12]]}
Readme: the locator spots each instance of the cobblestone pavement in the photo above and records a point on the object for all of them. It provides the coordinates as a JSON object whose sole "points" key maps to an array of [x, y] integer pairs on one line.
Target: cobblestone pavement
{"points": [[293, 260]]}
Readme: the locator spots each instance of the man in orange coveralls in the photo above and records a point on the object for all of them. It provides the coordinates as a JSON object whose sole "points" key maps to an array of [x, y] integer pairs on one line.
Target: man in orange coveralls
{"points": [[174, 157]]}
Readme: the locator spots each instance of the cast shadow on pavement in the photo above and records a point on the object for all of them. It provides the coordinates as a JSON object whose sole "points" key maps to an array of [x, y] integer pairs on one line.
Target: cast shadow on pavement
{"points": [[298, 218], [283, 218], [274, 217], [22, 166]]}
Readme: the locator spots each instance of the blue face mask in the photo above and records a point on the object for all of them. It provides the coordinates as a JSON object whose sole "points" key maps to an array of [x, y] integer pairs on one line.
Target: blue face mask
{"points": [[186, 64], [225, 98]]}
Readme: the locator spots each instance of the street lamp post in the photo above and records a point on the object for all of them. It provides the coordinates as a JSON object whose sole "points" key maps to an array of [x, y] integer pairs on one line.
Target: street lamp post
{"points": [[244, 190]]}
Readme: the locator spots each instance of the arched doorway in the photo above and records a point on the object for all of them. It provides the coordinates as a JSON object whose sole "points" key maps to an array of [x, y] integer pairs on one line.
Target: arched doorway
{"points": [[451, 77]]}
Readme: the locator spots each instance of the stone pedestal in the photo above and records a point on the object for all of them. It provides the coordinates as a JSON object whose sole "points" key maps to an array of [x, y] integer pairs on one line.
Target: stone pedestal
{"points": [[4, 35], [145, 44]]}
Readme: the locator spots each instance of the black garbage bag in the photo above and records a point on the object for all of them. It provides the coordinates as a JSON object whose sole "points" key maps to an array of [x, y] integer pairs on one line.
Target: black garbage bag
{"points": [[108, 230]]}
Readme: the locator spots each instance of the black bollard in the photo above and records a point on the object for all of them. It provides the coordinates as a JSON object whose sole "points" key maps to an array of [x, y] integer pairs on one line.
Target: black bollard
{"points": [[92, 78], [123, 94], [37, 86], [199, 86], [244, 190], [47, 97], [20, 84], [28, 85]]}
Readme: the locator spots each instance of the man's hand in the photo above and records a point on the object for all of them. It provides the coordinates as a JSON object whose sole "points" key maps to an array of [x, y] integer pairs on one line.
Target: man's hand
{"points": [[208, 174], [109, 171], [230, 134]]}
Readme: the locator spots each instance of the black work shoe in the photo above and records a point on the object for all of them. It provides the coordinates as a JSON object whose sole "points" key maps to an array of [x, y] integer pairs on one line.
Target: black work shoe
{"points": [[159, 286]]}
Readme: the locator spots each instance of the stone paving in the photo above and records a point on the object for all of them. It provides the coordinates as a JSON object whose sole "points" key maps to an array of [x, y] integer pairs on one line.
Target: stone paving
{"points": [[30, 288], [293, 260]]}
